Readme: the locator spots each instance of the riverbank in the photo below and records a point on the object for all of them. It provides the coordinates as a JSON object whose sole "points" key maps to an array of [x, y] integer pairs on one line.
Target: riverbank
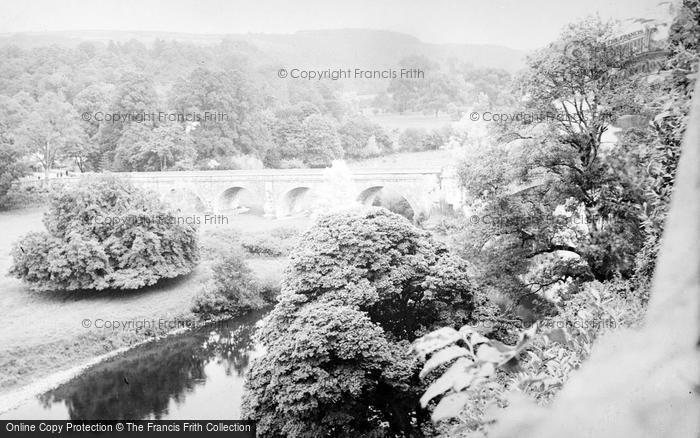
{"points": [[48, 333]]}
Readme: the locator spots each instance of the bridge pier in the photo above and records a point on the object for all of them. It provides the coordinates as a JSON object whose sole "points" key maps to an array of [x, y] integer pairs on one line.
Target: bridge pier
{"points": [[269, 203]]}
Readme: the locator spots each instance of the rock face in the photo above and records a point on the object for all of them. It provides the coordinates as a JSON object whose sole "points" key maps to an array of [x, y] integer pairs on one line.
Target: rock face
{"points": [[641, 383]]}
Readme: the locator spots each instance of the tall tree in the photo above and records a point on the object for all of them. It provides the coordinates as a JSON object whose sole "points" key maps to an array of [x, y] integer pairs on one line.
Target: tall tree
{"points": [[49, 129], [321, 141], [556, 205], [229, 94]]}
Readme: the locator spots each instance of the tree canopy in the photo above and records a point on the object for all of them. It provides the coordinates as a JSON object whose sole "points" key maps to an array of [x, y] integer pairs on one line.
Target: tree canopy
{"points": [[359, 287], [105, 234]]}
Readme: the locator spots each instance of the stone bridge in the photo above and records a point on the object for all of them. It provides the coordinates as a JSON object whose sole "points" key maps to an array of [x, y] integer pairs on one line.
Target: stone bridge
{"points": [[279, 193]]}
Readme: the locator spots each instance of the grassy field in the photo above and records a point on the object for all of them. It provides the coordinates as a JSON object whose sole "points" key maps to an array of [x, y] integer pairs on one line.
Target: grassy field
{"points": [[43, 333], [401, 122], [409, 160]]}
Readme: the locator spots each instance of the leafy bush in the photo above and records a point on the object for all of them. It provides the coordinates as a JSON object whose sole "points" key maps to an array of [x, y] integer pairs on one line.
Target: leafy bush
{"points": [[235, 281], [359, 286], [292, 163], [209, 302], [331, 367], [11, 169], [233, 290], [264, 246], [474, 371], [104, 233], [668, 127], [285, 233], [361, 138], [216, 243], [21, 195], [413, 139], [269, 290]]}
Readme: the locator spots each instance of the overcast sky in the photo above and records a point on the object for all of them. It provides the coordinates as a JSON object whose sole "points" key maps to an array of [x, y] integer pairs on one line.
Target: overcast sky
{"points": [[522, 24]]}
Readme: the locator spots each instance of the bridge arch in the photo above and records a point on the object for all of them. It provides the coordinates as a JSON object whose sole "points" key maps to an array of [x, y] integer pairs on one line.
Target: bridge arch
{"points": [[239, 199], [186, 200], [389, 198], [295, 201]]}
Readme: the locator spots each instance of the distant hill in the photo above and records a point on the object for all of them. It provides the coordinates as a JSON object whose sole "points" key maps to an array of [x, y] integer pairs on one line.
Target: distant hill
{"points": [[342, 48]]}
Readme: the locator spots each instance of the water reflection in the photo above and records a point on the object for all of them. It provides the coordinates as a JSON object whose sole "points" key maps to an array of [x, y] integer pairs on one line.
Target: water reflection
{"points": [[198, 375]]}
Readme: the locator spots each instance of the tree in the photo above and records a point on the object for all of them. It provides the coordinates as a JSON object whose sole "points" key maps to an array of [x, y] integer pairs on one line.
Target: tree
{"points": [[232, 93], [579, 79], [134, 97], [320, 141], [553, 207], [495, 84], [104, 234], [11, 156], [135, 94], [92, 100], [360, 138], [440, 91], [11, 168], [413, 139], [49, 129], [406, 93], [341, 377], [359, 287], [143, 147], [233, 290]]}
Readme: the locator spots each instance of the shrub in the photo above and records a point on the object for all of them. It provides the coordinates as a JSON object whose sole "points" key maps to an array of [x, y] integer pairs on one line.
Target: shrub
{"points": [[285, 233], [11, 169], [24, 195], [209, 302], [216, 243], [265, 246], [413, 139], [261, 245], [330, 368], [233, 290], [292, 163], [104, 233], [475, 371], [269, 290], [359, 286], [235, 281]]}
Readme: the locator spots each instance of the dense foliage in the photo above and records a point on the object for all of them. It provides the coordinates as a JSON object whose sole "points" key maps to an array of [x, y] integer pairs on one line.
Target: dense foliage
{"points": [[555, 205], [665, 134], [233, 290], [563, 208], [359, 287], [470, 374], [104, 234], [11, 169], [166, 105], [11, 165]]}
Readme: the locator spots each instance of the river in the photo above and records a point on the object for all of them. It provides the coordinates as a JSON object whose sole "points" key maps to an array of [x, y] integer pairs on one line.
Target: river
{"points": [[197, 375]]}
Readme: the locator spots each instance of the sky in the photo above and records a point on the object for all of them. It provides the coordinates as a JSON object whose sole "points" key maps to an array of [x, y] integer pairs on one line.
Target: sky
{"points": [[520, 24]]}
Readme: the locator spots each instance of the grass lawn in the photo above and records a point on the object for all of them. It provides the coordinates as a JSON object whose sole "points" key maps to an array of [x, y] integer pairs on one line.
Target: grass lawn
{"points": [[409, 160], [417, 121]]}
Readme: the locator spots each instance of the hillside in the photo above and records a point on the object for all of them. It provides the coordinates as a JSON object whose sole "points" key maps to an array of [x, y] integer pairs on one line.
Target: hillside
{"points": [[342, 48]]}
